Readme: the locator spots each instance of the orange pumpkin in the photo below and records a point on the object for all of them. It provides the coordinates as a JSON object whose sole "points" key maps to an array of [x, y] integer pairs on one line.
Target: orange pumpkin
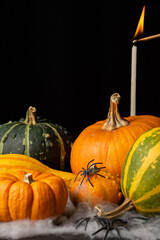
{"points": [[109, 141], [35, 196], [95, 188]]}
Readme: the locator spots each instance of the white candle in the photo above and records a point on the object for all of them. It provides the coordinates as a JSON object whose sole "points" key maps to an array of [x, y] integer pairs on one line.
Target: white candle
{"points": [[133, 80], [138, 33]]}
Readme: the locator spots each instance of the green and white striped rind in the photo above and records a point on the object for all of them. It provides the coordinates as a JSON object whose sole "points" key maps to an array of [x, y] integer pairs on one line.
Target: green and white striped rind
{"points": [[140, 179]]}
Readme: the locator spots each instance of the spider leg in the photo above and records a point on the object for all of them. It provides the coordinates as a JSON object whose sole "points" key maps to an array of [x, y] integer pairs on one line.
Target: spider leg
{"points": [[118, 232], [99, 222], [81, 220], [78, 220], [92, 165], [90, 162], [89, 181], [98, 163], [77, 175], [101, 167], [102, 221], [83, 172], [106, 235], [87, 221], [83, 179], [100, 175], [120, 222], [99, 230]]}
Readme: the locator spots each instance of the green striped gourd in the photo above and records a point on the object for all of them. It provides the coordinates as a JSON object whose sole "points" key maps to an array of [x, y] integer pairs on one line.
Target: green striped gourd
{"points": [[140, 180], [37, 138]]}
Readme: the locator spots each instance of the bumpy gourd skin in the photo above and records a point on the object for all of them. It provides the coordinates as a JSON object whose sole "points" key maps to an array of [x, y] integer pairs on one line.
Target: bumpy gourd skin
{"points": [[45, 196], [38, 138], [104, 190]]}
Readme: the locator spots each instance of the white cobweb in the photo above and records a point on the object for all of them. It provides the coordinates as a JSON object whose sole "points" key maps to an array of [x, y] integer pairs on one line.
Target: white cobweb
{"points": [[136, 228]]}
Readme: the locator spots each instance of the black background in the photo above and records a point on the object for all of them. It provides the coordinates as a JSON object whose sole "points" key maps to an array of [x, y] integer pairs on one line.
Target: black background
{"points": [[67, 57]]}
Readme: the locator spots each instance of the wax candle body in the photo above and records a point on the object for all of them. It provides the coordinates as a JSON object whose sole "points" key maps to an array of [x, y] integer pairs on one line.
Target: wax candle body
{"points": [[133, 80]]}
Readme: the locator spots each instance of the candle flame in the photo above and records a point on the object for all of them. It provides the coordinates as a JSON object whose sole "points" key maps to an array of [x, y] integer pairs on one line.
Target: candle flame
{"points": [[140, 26]]}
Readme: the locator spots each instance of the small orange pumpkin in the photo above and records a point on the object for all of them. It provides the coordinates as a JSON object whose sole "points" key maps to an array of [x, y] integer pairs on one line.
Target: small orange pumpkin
{"points": [[109, 141], [95, 186], [35, 196]]}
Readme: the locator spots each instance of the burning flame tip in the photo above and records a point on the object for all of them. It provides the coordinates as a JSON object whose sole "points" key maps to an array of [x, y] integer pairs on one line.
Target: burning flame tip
{"points": [[140, 26]]}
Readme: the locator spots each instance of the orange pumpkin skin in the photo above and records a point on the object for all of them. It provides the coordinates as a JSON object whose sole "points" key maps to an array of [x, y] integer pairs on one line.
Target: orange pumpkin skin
{"points": [[104, 189], [45, 197], [109, 147]]}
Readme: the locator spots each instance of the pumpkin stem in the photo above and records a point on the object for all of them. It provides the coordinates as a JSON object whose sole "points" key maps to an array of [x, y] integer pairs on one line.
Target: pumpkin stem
{"points": [[31, 116], [28, 178], [124, 207], [114, 119]]}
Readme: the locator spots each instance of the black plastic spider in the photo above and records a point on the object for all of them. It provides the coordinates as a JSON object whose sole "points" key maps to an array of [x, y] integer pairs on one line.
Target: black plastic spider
{"points": [[110, 225], [82, 220], [106, 224], [91, 169], [86, 220], [116, 224]]}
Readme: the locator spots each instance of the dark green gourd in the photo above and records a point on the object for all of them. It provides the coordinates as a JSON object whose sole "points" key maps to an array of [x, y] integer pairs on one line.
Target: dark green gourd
{"points": [[38, 138]]}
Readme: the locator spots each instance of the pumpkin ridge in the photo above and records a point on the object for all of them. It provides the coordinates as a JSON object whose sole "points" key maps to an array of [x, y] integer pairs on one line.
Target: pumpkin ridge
{"points": [[58, 205], [6, 134], [62, 148], [150, 120], [136, 128], [44, 180], [129, 129], [127, 137], [18, 206], [118, 163], [143, 125], [26, 140], [9, 218], [107, 145], [38, 210], [43, 132]]}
